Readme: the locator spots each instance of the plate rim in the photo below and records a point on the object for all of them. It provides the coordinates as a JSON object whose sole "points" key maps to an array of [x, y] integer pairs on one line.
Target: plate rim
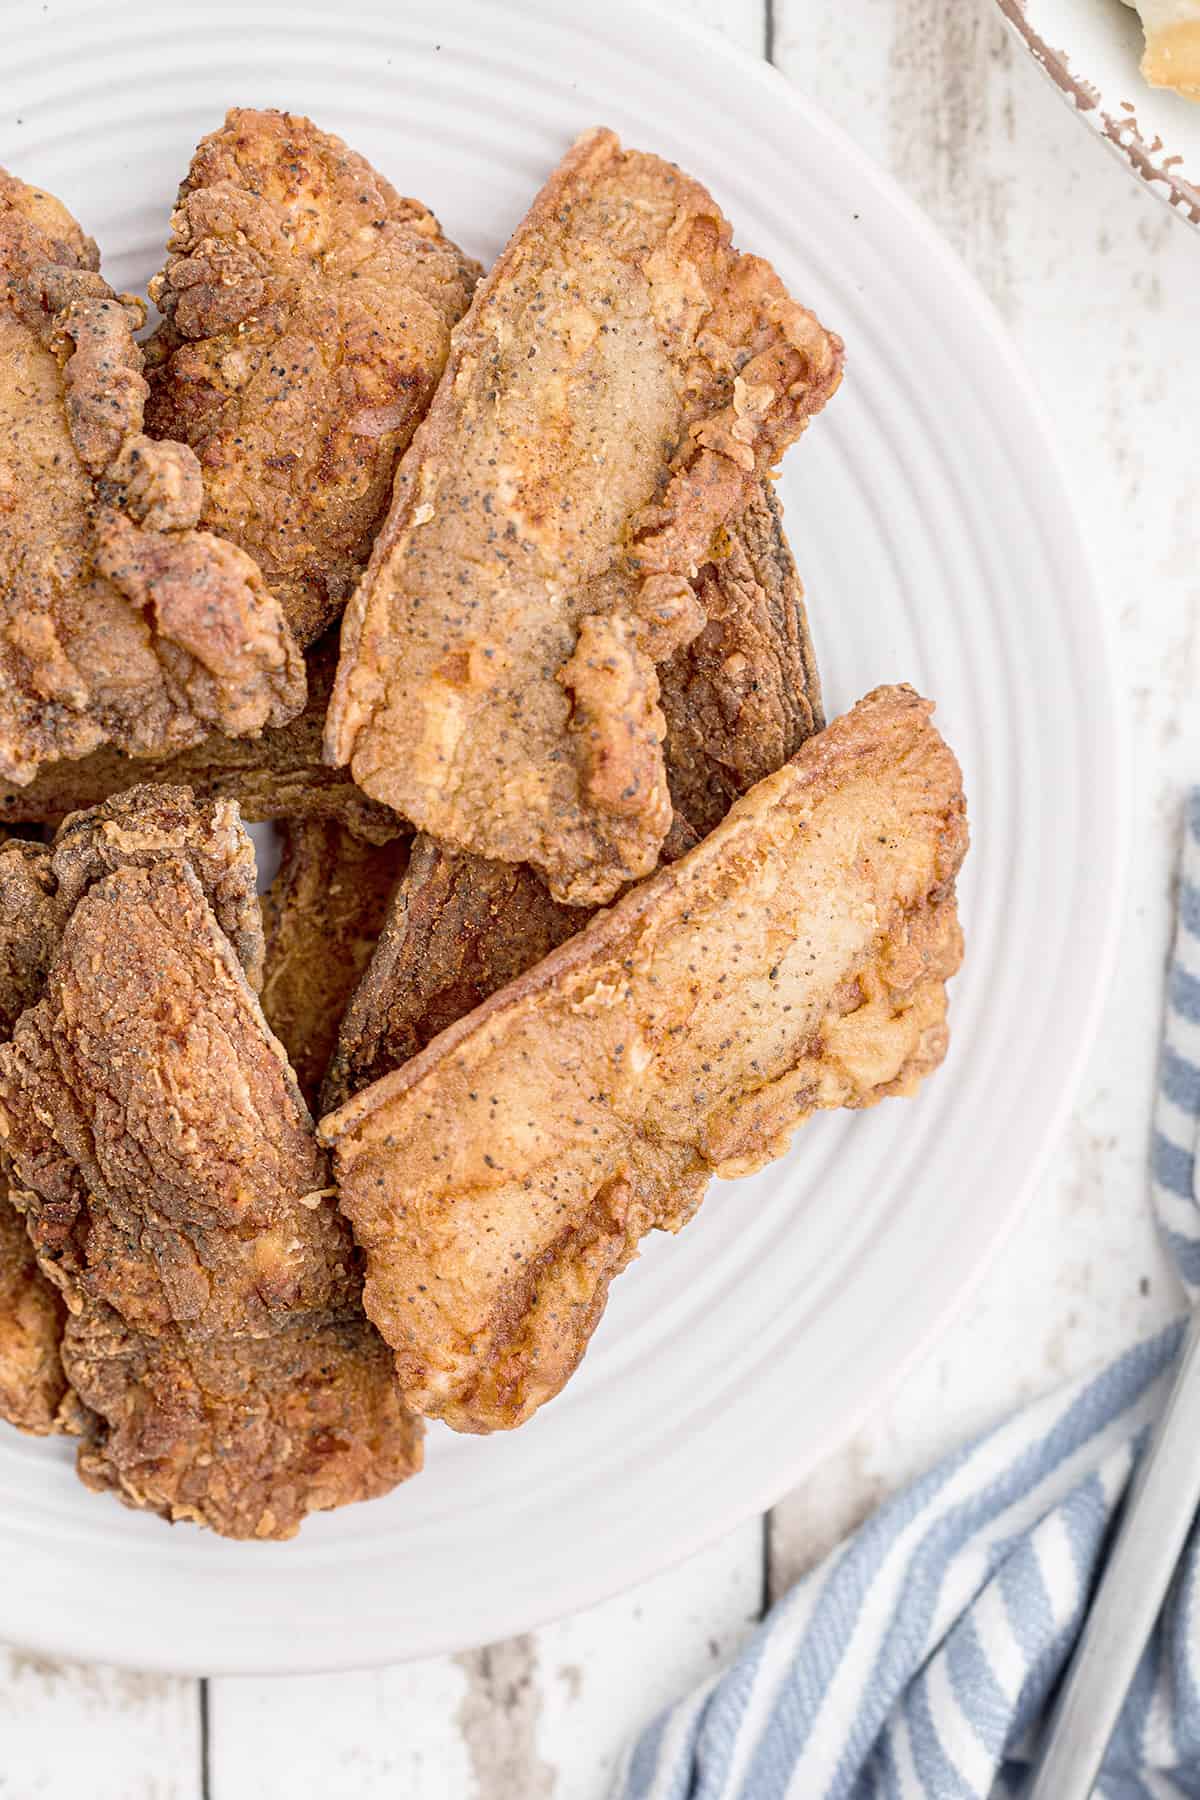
{"points": [[1153, 164], [653, 1557]]}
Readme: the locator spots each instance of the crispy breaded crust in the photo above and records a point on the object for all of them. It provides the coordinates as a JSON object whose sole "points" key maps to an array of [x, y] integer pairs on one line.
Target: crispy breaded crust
{"points": [[279, 775], [795, 959], [620, 387], [322, 915], [119, 622], [307, 315], [739, 700], [33, 1386], [176, 1195]]}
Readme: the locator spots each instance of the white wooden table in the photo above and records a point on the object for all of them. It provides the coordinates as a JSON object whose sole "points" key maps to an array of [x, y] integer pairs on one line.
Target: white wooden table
{"points": [[1099, 285]]}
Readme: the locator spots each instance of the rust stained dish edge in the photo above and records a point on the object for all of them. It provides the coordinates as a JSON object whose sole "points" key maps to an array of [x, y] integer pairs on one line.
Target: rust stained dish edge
{"points": [[1091, 50]]}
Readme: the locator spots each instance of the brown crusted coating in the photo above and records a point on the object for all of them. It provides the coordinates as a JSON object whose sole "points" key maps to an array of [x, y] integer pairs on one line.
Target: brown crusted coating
{"points": [[795, 959], [32, 1383], [119, 623], [307, 315], [39, 885], [31, 918], [49, 229], [458, 928], [279, 775], [246, 1434], [33, 1386], [176, 1195], [740, 699], [322, 914], [620, 387], [139, 828]]}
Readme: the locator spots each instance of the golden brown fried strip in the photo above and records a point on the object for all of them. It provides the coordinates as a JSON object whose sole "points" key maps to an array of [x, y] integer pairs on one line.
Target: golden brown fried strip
{"points": [[176, 1194], [795, 959], [323, 914], [740, 699], [119, 623], [38, 887], [279, 775], [621, 385], [308, 309]]}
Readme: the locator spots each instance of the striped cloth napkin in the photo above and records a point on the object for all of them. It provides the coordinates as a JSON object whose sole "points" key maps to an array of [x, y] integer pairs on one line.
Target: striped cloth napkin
{"points": [[917, 1662]]}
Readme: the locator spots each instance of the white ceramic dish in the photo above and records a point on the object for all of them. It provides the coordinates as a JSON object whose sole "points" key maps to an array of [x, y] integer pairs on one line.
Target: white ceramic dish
{"points": [[1091, 50], [937, 539]]}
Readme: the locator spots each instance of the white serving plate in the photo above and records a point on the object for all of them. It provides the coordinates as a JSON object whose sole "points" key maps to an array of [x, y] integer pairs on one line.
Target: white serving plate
{"points": [[933, 527], [1091, 50]]}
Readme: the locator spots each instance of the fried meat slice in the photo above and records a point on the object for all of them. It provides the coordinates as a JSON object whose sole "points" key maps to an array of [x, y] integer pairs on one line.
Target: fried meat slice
{"points": [[141, 828], [175, 1192], [740, 699], [119, 623], [620, 387], [323, 914], [795, 959], [307, 316], [279, 775], [458, 927]]}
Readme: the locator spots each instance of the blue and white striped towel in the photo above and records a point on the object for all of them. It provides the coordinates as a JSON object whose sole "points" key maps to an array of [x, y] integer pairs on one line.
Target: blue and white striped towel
{"points": [[917, 1661]]}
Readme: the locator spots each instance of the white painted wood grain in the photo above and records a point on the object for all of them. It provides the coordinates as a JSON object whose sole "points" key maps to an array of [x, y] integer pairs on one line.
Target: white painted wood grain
{"points": [[389, 1732], [539, 1717], [70, 1731]]}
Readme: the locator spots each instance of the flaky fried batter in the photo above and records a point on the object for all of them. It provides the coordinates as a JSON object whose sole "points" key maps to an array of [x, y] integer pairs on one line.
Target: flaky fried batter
{"points": [[279, 775], [39, 886], [621, 385], [458, 928], [795, 959], [176, 1194], [308, 310], [141, 828], [323, 914], [740, 699], [32, 1384], [119, 623], [32, 1315], [31, 919]]}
